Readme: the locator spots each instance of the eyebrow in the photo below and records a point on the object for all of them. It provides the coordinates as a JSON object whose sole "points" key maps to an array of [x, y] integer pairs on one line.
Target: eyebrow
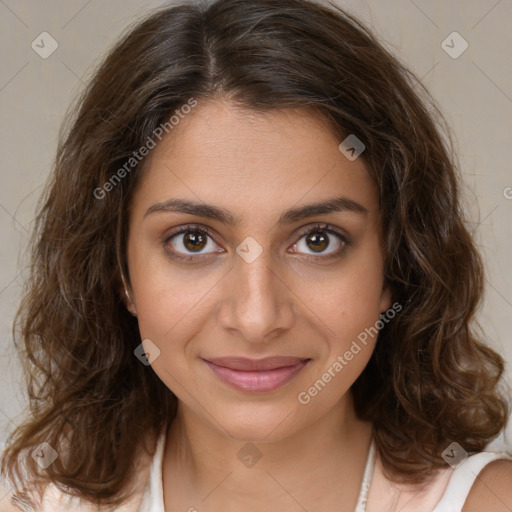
{"points": [[208, 211]]}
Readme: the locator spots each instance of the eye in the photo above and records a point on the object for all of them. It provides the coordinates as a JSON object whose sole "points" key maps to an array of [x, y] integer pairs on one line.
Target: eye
{"points": [[318, 239], [196, 243], [193, 239]]}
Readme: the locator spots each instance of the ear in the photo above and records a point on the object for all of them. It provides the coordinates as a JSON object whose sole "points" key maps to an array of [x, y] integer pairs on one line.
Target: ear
{"points": [[385, 299], [126, 298]]}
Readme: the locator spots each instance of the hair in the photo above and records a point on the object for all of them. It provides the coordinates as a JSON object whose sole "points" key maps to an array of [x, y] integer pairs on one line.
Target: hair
{"points": [[431, 379]]}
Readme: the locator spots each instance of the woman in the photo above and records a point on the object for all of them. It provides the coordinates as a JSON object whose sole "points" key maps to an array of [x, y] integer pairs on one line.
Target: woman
{"points": [[252, 285]]}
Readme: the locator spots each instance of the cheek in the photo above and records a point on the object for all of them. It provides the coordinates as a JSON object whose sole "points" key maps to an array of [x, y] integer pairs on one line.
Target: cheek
{"points": [[159, 283], [170, 314], [170, 304], [350, 308], [346, 300], [162, 295]]}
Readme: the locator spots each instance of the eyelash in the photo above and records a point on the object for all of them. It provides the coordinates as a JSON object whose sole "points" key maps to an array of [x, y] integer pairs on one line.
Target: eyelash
{"points": [[203, 230]]}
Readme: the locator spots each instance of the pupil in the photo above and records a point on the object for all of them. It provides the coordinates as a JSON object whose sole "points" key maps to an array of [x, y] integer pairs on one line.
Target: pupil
{"points": [[196, 241], [319, 241]]}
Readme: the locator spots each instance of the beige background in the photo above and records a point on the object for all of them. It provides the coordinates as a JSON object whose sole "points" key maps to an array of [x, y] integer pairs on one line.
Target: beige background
{"points": [[474, 90]]}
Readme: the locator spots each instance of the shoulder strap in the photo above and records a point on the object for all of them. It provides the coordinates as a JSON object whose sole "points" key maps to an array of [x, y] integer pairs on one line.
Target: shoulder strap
{"points": [[463, 478], [153, 499]]}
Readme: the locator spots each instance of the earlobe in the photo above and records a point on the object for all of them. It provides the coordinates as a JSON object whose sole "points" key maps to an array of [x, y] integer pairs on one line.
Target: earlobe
{"points": [[127, 301], [131, 305], [385, 299]]}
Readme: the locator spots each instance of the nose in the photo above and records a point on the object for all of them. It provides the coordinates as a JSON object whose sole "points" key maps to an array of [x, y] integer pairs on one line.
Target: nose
{"points": [[257, 305]]}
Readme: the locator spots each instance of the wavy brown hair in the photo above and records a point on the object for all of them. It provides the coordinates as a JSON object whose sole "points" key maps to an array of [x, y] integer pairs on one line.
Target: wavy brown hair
{"points": [[431, 379]]}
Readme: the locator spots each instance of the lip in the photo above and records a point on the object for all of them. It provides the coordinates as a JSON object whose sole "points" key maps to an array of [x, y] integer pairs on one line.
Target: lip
{"points": [[257, 375]]}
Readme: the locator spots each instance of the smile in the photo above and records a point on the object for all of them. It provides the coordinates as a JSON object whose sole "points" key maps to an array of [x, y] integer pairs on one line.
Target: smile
{"points": [[257, 376]]}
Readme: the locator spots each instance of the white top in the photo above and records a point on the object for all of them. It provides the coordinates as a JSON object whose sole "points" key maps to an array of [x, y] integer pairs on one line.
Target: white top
{"points": [[452, 500], [462, 480]]}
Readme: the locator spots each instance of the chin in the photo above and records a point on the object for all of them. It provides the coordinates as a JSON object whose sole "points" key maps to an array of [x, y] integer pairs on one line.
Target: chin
{"points": [[259, 425]]}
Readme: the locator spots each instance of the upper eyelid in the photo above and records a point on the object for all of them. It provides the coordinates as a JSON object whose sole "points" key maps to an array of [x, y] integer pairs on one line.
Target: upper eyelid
{"points": [[189, 227], [323, 226]]}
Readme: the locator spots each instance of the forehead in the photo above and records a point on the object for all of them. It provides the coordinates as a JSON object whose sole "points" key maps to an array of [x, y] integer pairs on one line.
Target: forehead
{"points": [[253, 162]]}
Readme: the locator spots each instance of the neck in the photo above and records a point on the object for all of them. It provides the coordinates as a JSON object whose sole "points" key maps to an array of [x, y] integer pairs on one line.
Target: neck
{"points": [[203, 463]]}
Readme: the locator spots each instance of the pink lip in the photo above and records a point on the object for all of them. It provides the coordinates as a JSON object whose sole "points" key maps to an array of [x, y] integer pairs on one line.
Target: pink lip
{"points": [[256, 375]]}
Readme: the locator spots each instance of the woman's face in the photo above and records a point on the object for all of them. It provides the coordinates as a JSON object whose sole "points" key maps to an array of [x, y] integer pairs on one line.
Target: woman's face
{"points": [[257, 285]]}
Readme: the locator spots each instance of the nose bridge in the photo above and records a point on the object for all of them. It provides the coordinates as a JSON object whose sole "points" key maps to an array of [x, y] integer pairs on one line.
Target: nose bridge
{"points": [[258, 305]]}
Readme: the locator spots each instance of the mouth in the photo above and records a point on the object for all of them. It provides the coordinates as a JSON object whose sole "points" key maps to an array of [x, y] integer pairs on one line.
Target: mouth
{"points": [[256, 375]]}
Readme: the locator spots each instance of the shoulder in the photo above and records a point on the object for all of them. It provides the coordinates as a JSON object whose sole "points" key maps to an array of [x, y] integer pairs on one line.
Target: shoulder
{"points": [[55, 500], [7, 506], [492, 489], [11, 502]]}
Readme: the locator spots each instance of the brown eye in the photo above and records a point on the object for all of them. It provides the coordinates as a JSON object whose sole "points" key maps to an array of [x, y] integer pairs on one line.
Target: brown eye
{"points": [[190, 241], [194, 241], [317, 241]]}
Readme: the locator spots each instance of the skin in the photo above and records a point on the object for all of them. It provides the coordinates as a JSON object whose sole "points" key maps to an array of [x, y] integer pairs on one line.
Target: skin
{"points": [[257, 166], [491, 490]]}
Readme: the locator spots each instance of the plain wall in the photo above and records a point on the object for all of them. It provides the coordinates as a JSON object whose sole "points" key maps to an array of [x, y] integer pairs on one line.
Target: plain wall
{"points": [[474, 91]]}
